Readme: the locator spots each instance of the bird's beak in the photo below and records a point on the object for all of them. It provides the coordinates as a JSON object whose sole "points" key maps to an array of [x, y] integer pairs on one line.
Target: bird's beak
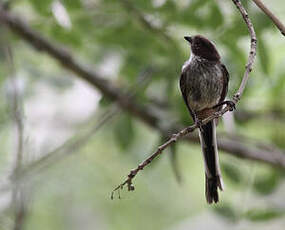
{"points": [[188, 38]]}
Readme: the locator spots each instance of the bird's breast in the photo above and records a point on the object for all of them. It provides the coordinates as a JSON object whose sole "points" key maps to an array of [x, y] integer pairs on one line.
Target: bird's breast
{"points": [[205, 84]]}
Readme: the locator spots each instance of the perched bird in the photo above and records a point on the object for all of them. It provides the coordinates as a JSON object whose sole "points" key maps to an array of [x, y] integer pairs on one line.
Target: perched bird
{"points": [[204, 85]]}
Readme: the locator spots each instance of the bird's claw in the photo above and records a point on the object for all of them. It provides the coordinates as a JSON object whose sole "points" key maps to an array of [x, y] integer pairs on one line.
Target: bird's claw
{"points": [[231, 105], [198, 123]]}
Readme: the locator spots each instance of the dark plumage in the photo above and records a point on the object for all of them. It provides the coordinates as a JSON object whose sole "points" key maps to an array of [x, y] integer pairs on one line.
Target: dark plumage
{"points": [[204, 84]]}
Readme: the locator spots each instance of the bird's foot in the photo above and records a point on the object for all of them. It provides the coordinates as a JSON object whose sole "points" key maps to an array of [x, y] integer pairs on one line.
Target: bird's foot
{"points": [[230, 104], [198, 123]]}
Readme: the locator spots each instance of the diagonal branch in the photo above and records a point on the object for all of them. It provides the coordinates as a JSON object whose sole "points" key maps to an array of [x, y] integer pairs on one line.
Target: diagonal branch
{"points": [[274, 19], [160, 149], [189, 129]]}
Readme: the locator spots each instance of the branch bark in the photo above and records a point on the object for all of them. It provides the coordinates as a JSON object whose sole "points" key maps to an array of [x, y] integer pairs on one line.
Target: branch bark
{"points": [[274, 19], [252, 52]]}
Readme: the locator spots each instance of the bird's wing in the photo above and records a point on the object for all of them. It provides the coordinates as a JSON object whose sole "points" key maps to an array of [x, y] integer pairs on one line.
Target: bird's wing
{"points": [[226, 82], [184, 91]]}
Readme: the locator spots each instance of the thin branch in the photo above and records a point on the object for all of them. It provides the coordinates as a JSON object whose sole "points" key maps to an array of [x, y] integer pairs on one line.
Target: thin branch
{"points": [[274, 19], [252, 52], [189, 129], [160, 149]]}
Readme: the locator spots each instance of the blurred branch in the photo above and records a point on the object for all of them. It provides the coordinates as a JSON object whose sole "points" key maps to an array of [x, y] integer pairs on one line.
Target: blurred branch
{"points": [[263, 146], [72, 145], [144, 113], [258, 152], [247, 115], [241, 115], [16, 110], [274, 19], [145, 22], [18, 194]]}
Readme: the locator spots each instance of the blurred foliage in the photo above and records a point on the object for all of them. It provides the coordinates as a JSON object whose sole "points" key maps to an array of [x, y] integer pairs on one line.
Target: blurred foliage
{"points": [[263, 215], [121, 39]]}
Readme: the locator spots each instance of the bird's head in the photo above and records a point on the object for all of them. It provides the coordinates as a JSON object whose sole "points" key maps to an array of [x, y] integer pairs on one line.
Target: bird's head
{"points": [[202, 47]]}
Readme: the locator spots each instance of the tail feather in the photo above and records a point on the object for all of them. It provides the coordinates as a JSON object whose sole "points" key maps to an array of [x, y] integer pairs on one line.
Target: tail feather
{"points": [[211, 188], [211, 161]]}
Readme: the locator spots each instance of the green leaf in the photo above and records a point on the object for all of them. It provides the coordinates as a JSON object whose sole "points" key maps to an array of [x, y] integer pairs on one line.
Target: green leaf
{"points": [[267, 183], [227, 211], [263, 56], [263, 214], [42, 6], [124, 131], [216, 17], [182, 111], [104, 101], [261, 22], [174, 163], [62, 35], [72, 4], [232, 172]]}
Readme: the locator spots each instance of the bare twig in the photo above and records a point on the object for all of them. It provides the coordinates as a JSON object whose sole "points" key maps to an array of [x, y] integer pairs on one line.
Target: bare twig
{"points": [[274, 19], [242, 151], [160, 149], [252, 52], [189, 129]]}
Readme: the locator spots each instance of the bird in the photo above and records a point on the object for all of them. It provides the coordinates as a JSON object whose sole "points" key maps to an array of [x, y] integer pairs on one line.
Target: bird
{"points": [[204, 85]]}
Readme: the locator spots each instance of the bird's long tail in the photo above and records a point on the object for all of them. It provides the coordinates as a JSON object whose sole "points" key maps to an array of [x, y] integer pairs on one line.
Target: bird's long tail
{"points": [[211, 159]]}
